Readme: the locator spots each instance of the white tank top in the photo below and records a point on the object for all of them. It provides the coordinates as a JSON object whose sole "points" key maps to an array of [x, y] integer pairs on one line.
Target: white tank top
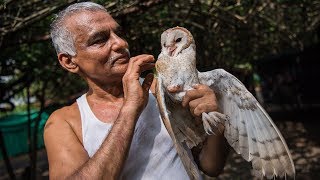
{"points": [[152, 154]]}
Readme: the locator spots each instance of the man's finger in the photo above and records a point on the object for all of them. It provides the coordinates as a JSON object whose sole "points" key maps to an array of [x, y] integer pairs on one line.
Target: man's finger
{"points": [[147, 82], [146, 66], [199, 86], [200, 109], [189, 96], [193, 104], [142, 63]]}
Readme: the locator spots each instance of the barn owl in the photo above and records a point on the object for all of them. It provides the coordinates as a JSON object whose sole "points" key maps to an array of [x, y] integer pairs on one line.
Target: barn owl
{"points": [[248, 128]]}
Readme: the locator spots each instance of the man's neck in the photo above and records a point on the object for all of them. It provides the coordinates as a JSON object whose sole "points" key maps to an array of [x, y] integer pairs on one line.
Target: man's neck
{"points": [[107, 93], [105, 102]]}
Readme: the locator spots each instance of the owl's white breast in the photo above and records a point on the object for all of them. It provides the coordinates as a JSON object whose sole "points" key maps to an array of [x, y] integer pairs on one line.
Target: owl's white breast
{"points": [[179, 70]]}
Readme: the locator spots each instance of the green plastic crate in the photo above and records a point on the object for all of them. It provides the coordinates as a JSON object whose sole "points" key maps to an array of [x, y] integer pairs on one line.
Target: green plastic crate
{"points": [[14, 129]]}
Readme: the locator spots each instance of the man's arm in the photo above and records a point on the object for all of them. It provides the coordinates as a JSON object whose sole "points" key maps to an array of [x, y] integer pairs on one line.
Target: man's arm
{"points": [[66, 154], [215, 149], [64, 150], [214, 154]]}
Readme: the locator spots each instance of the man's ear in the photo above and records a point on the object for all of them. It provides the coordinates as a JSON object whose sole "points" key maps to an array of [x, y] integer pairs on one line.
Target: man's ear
{"points": [[66, 61]]}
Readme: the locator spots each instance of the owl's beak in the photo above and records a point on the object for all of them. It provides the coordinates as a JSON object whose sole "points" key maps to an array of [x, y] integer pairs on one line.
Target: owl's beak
{"points": [[171, 50]]}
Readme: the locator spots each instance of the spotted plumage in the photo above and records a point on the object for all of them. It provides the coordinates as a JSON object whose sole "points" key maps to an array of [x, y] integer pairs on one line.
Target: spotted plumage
{"points": [[247, 126]]}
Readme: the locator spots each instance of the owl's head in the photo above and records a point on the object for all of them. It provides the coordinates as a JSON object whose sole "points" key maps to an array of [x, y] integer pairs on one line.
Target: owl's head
{"points": [[175, 40]]}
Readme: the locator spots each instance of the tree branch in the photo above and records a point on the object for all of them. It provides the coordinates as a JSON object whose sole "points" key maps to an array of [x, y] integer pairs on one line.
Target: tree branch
{"points": [[135, 7], [32, 19]]}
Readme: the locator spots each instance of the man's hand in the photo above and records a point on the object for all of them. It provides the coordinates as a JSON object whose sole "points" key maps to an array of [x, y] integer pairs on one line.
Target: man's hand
{"points": [[135, 94], [200, 99]]}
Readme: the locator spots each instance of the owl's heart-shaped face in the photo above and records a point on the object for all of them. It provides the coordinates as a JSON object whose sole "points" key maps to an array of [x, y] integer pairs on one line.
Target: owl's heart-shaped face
{"points": [[174, 40]]}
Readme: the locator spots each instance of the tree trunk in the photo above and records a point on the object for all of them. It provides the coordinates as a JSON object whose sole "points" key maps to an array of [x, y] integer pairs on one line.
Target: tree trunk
{"points": [[6, 157]]}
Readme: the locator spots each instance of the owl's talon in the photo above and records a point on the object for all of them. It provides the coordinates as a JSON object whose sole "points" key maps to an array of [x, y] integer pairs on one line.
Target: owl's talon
{"points": [[207, 127], [174, 88], [214, 120]]}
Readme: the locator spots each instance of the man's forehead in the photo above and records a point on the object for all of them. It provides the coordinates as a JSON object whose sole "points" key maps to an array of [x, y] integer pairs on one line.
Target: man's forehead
{"points": [[89, 19]]}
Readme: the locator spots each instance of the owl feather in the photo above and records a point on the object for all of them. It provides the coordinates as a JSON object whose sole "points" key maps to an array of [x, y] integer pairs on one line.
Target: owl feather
{"points": [[248, 128]]}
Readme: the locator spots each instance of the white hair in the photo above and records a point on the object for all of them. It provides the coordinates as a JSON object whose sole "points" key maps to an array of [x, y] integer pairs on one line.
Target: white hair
{"points": [[62, 39]]}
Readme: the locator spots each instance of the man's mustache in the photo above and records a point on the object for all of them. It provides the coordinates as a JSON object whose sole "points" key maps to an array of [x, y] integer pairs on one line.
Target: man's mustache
{"points": [[121, 53]]}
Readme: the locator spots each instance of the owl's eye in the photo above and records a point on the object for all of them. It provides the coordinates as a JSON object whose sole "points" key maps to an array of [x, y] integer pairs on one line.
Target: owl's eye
{"points": [[178, 40]]}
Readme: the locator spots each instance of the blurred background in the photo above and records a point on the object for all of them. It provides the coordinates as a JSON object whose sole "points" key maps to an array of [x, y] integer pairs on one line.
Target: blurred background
{"points": [[271, 46]]}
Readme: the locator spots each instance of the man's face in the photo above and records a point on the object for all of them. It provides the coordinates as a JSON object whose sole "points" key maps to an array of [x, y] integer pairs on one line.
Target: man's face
{"points": [[102, 55]]}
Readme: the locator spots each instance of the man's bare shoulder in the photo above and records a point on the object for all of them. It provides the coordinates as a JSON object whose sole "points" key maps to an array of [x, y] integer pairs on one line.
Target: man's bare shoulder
{"points": [[66, 118], [64, 114]]}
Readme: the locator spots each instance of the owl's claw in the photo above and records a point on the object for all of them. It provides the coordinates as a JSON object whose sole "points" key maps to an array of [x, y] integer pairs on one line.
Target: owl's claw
{"points": [[213, 122], [207, 127], [174, 88]]}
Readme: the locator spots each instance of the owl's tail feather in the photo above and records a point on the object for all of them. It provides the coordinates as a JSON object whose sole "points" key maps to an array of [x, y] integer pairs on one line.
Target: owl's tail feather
{"points": [[187, 161], [181, 147], [187, 131]]}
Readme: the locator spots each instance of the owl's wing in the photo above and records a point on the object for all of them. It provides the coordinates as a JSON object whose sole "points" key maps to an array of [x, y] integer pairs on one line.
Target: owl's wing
{"points": [[188, 163], [249, 129]]}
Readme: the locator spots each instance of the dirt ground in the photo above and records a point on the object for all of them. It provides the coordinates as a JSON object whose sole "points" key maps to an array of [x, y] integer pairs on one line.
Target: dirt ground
{"points": [[300, 128]]}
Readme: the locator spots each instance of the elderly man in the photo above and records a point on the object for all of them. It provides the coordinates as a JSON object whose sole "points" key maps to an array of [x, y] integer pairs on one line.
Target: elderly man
{"points": [[114, 131]]}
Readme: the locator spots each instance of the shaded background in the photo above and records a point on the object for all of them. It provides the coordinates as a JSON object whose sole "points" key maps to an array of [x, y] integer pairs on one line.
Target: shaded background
{"points": [[271, 46]]}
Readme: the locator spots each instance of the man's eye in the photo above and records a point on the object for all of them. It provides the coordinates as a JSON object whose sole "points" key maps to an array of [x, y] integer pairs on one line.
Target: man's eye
{"points": [[99, 40]]}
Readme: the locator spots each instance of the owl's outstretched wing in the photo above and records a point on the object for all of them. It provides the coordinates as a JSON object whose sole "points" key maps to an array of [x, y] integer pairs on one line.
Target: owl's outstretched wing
{"points": [[249, 129], [166, 116]]}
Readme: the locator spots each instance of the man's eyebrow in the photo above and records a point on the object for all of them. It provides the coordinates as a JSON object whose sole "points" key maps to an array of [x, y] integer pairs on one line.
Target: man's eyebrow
{"points": [[96, 35]]}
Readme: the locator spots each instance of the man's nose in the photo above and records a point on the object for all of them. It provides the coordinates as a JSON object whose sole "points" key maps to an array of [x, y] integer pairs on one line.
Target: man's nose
{"points": [[118, 42]]}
